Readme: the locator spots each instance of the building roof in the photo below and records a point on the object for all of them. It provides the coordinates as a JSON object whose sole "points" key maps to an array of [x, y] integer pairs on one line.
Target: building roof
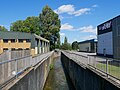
{"points": [[19, 35], [14, 35], [88, 41]]}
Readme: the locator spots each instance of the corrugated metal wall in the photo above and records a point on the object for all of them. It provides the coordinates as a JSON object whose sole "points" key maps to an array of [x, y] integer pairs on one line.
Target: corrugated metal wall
{"points": [[105, 44], [116, 37]]}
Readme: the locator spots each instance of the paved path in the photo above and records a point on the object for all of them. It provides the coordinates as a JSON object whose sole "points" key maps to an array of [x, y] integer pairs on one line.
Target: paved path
{"points": [[83, 53]]}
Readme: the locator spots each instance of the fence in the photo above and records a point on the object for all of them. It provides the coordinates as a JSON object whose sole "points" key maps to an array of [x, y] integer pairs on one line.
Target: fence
{"points": [[110, 67], [12, 68], [7, 55]]}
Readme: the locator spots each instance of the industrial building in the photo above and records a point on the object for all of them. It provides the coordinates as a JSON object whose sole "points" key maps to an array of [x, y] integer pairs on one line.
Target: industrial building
{"points": [[21, 40], [88, 46], [109, 38]]}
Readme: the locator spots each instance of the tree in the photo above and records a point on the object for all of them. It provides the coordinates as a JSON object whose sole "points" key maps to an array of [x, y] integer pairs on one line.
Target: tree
{"points": [[30, 25], [2, 28], [75, 45], [65, 40], [50, 26], [17, 26], [66, 45]]}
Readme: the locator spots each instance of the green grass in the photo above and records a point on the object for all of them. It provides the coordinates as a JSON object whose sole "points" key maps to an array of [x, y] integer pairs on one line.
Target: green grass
{"points": [[112, 70]]}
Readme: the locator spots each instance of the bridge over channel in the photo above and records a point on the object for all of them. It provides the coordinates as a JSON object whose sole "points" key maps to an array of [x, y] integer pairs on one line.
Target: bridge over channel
{"points": [[83, 71]]}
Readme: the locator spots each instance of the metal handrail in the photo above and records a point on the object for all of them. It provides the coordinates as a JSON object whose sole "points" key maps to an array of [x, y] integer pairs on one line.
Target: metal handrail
{"points": [[94, 62], [16, 59], [104, 57], [76, 54], [27, 62]]}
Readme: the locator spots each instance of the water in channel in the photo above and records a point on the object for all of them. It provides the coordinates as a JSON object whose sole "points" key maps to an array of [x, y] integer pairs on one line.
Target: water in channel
{"points": [[56, 79]]}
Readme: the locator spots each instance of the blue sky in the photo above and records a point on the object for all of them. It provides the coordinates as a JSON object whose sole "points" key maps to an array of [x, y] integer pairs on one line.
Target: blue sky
{"points": [[79, 18]]}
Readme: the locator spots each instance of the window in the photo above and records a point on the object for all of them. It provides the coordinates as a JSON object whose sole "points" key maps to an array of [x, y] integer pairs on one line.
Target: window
{"points": [[27, 40], [20, 49], [20, 40], [12, 40], [4, 49], [27, 49], [12, 49], [5, 40]]}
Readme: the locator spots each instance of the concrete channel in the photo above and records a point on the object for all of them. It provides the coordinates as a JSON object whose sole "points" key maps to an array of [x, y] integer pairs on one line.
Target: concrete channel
{"points": [[60, 72], [57, 79]]}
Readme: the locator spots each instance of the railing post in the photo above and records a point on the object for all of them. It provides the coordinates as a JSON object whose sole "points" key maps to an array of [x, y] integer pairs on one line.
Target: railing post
{"points": [[16, 68], [88, 59], [95, 61], [107, 67]]}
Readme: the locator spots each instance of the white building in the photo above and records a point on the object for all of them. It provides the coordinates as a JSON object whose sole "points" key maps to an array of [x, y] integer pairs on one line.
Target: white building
{"points": [[109, 38], [88, 46]]}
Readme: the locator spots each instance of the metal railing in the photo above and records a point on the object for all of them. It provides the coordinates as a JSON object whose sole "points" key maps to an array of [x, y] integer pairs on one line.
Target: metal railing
{"points": [[9, 54], [110, 67], [10, 69], [77, 57]]}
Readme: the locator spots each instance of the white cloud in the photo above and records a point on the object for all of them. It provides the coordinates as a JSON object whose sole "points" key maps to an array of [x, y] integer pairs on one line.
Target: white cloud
{"points": [[89, 37], [61, 17], [1, 25], [65, 9], [75, 39], [89, 29], [81, 11], [85, 29], [66, 26], [62, 34], [70, 9], [95, 5]]}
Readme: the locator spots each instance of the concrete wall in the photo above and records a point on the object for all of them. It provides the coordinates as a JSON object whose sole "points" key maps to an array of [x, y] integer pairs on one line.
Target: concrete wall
{"points": [[34, 79], [83, 78]]}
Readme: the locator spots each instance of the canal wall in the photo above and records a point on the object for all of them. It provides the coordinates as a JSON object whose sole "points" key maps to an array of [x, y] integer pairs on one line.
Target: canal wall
{"points": [[84, 78], [33, 78]]}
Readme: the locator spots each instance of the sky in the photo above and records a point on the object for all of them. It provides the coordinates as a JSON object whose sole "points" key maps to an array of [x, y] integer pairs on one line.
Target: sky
{"points": [[79, 18]]}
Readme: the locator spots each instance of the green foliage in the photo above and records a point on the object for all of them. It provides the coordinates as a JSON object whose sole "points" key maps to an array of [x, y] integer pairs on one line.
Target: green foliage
{"points": [[50, 26], [47, 25], [65, 40], [30, 25], [2, 28], [51, 66], [66, 45], [75, 45]]}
